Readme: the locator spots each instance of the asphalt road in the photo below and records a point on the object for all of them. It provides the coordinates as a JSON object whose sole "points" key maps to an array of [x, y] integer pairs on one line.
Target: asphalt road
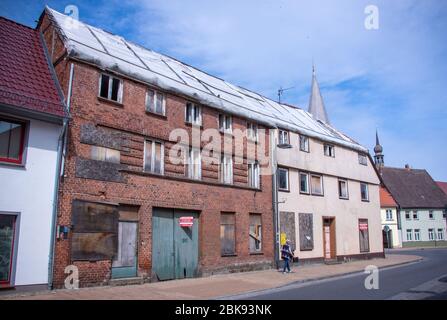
{"points": [[392, 281]]}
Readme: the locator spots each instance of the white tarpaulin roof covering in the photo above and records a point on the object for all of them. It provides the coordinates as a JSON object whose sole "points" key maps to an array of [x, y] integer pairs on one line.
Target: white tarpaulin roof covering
{"points": [[114, 53]]}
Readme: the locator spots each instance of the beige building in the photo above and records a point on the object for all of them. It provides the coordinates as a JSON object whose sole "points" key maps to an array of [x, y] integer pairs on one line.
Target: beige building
{"points": [[328, 192]]}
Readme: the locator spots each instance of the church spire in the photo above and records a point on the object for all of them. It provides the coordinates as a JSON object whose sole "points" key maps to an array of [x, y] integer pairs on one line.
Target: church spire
{"points": [[378, 155], [316, 104]]}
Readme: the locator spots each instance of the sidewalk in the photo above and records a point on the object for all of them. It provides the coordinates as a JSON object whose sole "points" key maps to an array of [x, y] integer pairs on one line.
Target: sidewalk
{"points": [[217, 285]]}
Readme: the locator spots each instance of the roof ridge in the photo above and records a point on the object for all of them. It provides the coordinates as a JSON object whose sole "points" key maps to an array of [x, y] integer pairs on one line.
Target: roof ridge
{"points": [[17, 23]]}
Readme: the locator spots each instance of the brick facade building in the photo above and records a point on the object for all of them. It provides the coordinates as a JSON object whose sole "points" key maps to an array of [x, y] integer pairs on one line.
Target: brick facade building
{"points": [[118, 174]]}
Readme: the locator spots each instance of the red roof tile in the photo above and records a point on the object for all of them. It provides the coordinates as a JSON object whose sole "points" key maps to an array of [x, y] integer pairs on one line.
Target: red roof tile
{"points": [[386, 199], [25, 77], [443, 186]]}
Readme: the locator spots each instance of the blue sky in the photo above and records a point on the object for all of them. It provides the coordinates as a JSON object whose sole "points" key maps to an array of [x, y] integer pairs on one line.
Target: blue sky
{"points": [[393, 79]]}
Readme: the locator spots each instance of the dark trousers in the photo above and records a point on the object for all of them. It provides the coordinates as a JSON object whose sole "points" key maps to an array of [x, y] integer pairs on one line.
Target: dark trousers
{"points": [[286, 265]]}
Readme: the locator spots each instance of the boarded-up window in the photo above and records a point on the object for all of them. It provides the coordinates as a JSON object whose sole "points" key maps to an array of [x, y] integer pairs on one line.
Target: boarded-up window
{"points": [[364, 235], [255, 233], [227, 234], [95, 228], [306, 231]]}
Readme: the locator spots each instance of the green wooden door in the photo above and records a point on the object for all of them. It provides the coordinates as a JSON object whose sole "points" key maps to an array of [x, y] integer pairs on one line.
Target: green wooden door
{"points": [[163, 243], [186, 246], [175, 249]]}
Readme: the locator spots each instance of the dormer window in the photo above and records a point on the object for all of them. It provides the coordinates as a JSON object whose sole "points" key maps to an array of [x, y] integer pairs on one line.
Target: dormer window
{"points": [[111, 88], [155, 102], [225, 123], [329, 150]]}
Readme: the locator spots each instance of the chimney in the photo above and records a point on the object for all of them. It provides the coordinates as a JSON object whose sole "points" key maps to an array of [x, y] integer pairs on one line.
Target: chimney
{"points": [[407, 166]]}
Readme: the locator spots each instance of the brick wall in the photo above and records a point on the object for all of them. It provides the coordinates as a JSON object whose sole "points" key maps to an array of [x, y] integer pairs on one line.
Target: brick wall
{"points": [[128, 184]]}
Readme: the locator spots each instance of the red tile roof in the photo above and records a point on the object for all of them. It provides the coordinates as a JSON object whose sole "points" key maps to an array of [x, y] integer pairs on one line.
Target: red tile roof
{"points": [[386, 199], [25, 77], [443, 186]]}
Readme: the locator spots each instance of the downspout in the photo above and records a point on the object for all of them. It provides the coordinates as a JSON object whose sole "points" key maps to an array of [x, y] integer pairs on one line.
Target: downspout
{"points": [[275, 198], [61, 152]]}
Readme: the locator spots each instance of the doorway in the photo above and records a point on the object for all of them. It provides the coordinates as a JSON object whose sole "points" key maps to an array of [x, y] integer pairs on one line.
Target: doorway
{"points": [[387, 238], [7, 244], [329, 244], [175, 247]]}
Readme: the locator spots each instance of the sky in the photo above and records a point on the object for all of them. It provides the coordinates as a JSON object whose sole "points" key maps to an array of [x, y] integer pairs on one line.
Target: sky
{"points": [[392, 79]]}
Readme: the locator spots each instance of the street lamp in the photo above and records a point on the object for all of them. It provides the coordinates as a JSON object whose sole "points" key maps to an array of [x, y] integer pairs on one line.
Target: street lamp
{"points": [[275, 197]]}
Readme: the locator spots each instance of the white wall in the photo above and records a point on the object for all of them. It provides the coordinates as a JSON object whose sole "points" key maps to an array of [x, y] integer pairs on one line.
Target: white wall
{"points": [[423, 223], [29, 191], [346, 212], [392, 224]]}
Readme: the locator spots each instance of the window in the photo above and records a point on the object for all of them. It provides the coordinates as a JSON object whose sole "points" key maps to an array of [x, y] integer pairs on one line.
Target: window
{"points": [[407, 215], [226, 169], [283, 137], [283, 179], [7, 235], [316, 185], [329, 150], [415, 215], [431, 215], [193, 114], [440, 234], [225, 123], [304, 183], [111, 88], [155, 102], [12, 137], [389, 214], [343, 189], [105, 154], [304, 143], [364, 191], [364, 235], [417, 235], [255, 233], [431, 234], [253, 174], [363, 160], [227, 234], [153, 157], [252, 131], [409, 234], [194, 164]]}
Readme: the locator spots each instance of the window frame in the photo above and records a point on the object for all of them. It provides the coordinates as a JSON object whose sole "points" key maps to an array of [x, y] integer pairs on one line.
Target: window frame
{"points": [[259, 251], [417, 234], [254, 172], [367, 192], [368, 249], [321, 184], [287, 179], [407, 215], [191, 165], [23, 139], [282, 134], [225, 117], [415, 215], [195, 107], [154, 102], [363, 156], [306, 138], [120, 92], [252, 131], [301, 173], [329, 147], [233, 218], [409, 234], [162, 156], [432, 234], [440, 232], [339, 189], [390, 217], [432, 214], [222, 166]]}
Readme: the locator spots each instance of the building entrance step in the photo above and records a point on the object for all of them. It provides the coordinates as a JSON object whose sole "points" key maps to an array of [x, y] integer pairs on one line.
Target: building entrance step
{"points": [[126, 281]]}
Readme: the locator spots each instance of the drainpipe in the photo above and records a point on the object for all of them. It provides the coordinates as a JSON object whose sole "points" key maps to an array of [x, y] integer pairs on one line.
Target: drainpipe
{"points": [[275, 198], [61, 152]]}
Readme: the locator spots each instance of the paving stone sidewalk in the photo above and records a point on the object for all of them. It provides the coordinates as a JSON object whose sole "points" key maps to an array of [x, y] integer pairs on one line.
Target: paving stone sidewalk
{"points": [[217, 285]]}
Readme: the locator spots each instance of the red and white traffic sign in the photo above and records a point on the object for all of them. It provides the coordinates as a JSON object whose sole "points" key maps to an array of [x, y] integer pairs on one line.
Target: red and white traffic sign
{"points": [[186, 221]]}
